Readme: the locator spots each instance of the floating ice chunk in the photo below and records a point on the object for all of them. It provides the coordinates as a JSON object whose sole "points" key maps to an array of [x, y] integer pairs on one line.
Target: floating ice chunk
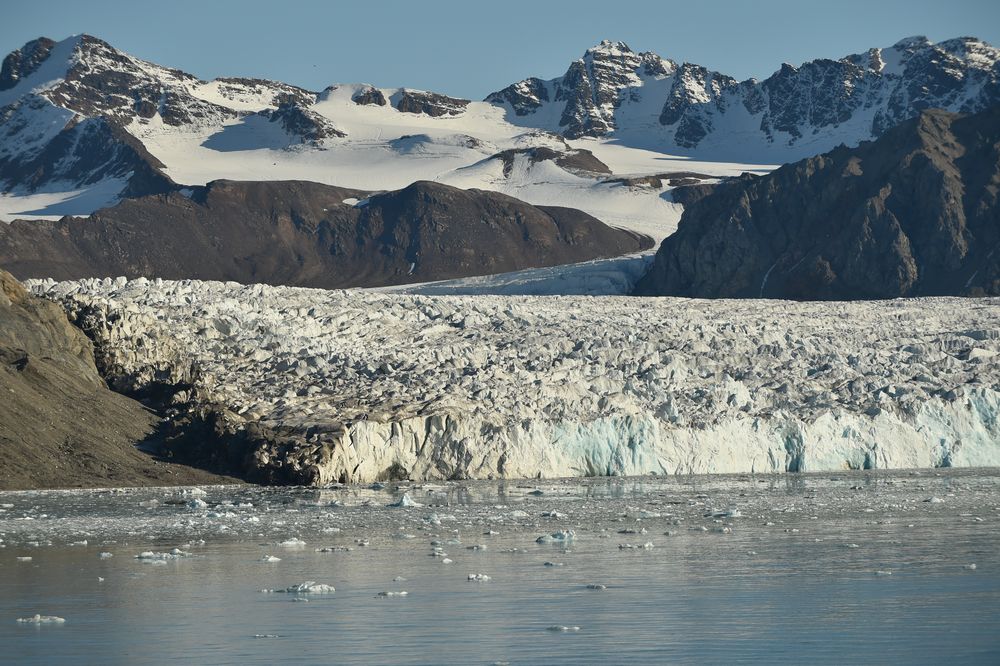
{"points": [[405, 501], [270, 558], [79, 543], [334, 549], [175, 554], [553, 564], [517, 514], [478, 546], [106, 556], [294, 542], [970, 567], [446, 560], [401, 593], [596, 586], [310, 587], [24, 559], [478, 578], [561, 536], [398, 579], [266, 636], [562, 629], [300, 599], [851, 545], [197, 503], [631, 546], [731, 512], [883, 572], [553, 514], [362, 542], [934, 500], [41, 619], [195, 492]]}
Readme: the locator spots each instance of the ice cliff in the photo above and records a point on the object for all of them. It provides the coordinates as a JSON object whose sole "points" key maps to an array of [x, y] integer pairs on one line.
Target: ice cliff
{"points": [[357, 386]]}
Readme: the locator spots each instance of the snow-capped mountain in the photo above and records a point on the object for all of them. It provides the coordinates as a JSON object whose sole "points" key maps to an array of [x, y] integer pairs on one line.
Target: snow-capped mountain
{"points": [[83, 125], [647, 101]]}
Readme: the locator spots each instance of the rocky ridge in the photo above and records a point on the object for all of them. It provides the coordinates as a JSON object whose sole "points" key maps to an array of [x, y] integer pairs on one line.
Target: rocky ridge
{"points": [[914, 213], [349, 386], [650, 101], [313, 235]]}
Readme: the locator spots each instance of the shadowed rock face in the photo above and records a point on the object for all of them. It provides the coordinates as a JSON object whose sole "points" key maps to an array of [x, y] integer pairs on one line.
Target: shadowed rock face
{"points": [[60, 425], [912, 214], [303, 234]]}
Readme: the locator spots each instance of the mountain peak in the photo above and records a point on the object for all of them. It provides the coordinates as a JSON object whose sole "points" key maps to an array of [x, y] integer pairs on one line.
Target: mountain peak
{"points": [[609, 47]]}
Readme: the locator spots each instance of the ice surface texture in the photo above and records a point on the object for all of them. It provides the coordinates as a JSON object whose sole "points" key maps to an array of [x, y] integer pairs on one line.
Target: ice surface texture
{"points": [[367, 386]]}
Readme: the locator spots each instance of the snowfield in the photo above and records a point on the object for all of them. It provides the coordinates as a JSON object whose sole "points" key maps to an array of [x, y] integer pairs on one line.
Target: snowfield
{"points": [[368, 385]]}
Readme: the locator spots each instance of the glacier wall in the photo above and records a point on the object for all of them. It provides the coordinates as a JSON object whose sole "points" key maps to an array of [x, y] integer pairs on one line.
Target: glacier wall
{"points": [[359, 386]]}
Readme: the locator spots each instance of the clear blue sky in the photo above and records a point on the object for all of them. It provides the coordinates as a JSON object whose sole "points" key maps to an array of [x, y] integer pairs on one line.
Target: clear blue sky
{"points": [[472, 48]]}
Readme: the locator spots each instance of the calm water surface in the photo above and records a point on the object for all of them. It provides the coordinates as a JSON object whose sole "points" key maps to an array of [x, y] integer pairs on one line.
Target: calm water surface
{"points": [[841, 568]]}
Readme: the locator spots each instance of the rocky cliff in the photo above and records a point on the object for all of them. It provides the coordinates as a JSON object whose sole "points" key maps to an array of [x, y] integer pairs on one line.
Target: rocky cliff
{"points": [[912, 213]]}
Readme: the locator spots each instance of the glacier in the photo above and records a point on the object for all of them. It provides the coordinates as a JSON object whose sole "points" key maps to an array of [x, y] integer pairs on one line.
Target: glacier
{"points": [[359, 386]]}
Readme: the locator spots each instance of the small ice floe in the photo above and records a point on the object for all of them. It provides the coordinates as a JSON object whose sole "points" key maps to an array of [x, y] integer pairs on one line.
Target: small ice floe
{"points": [[649, 514], [405, 502], [491, 533], [106, 556], [478, 546], [195, 492], [266, 636], [174, 554], [723, 530], [334, 549], [562, 629], [100, 579], [731, 512], [299, 599], [446, 560], [478, 578], [631, 546], [331, 530], [970, 567], [294, 542], [79, 543], [851, 545], [561, 536], [398, 579], [934, 500], [537, 493], [362, 542], [553, 564], [404, 536], [629, 530], [596, 586], [401, 593], [41, 619], [883, 572], [517, 514], [196, 503], [310, 587], [553, 514], [24, 559], [270, 558]]}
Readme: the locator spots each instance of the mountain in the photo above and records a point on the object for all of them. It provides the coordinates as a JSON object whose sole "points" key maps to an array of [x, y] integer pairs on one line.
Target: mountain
{"points": [[914, 213], [643, 100], [60, 425], [309, 234]]}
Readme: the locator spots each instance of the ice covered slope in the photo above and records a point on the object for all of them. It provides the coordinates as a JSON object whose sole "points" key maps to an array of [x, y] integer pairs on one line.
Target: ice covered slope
{"points": [[334, 385], [643, 100]]}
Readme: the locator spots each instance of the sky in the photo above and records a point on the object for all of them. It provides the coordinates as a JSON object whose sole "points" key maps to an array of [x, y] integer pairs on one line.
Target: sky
{"points": [[469, 49]]}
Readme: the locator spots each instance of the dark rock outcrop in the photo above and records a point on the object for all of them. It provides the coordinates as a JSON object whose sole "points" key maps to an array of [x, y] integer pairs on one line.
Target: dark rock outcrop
{"points": [[579, 161], [914, 213], [369, 96], [300, 233], [432, 104], [60, 425]]}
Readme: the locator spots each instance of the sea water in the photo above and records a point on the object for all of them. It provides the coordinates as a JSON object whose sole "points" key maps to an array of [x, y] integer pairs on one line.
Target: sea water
{"points": [[854, 567]]}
